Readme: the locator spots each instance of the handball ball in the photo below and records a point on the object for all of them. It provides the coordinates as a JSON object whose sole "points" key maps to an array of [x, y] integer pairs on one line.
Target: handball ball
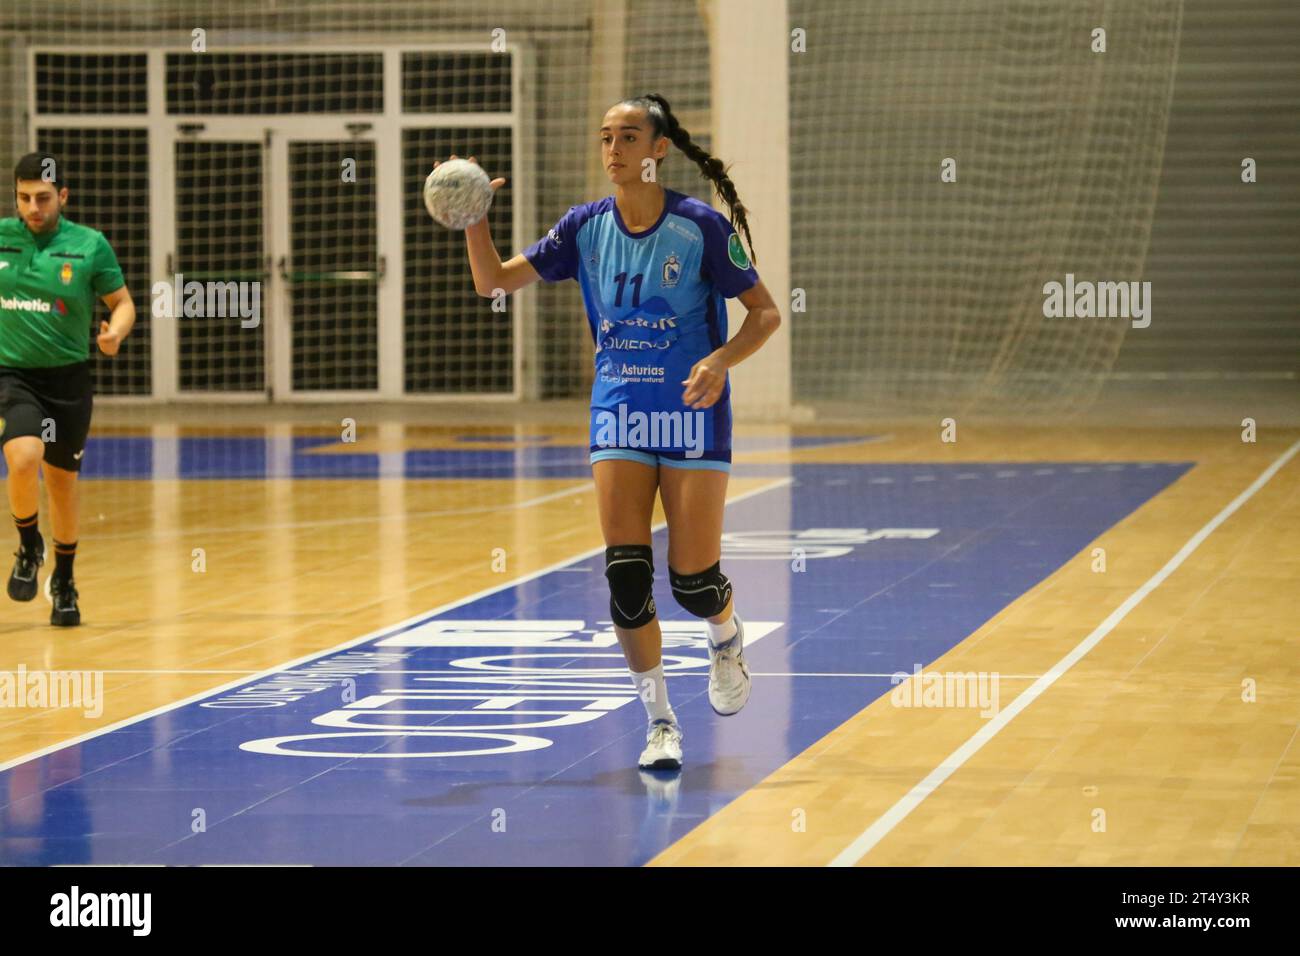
{"points": [[457, 194]]}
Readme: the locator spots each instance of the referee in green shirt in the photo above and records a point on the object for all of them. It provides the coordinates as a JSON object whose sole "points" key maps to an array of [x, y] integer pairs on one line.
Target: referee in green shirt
{"points": [[51, 270]]}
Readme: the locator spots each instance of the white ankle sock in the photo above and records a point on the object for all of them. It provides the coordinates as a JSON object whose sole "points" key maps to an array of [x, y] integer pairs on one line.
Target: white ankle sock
{"points": [[653, 691], [721, 633]]}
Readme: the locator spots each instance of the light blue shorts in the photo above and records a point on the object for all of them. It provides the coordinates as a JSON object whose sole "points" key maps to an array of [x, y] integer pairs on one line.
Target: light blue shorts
{"points": [[654, 460]]}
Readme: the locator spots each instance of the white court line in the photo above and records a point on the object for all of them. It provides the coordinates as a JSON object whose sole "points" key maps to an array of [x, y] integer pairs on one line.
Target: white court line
{"points": [[378, 632], [462, 670], [873, 834], [86, 671]]}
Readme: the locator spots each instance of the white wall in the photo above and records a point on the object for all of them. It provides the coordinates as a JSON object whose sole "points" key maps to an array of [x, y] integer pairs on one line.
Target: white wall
{"points": [[750, 46]]}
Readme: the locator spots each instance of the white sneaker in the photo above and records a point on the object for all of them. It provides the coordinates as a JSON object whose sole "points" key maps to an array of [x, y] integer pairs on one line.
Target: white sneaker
{"points": [[728, 673], [663, 747]]}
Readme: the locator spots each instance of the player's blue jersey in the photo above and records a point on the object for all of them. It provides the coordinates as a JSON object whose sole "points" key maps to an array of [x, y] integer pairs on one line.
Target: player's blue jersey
{"points": [[656, 305]]}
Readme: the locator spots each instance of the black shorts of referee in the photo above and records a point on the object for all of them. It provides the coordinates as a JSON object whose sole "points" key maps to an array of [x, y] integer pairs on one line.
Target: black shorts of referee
{"points": [[52, 404]]}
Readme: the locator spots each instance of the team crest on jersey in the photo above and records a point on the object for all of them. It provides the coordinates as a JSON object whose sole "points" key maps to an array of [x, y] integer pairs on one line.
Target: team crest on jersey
{"points": [[593, 260], [66, 273], [672, 271]]}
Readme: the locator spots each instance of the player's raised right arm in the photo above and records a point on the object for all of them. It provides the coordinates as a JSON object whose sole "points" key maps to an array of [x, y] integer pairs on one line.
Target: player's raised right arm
{"points": [[490, 273]]}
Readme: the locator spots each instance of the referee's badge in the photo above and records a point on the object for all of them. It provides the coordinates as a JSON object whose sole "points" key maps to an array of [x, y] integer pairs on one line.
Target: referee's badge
{"points": [[66, 273], [672, 271]]}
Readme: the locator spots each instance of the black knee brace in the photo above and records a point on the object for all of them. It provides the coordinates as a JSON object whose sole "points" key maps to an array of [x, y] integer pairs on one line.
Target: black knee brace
{"points": [[704, 594], [631, 572]]}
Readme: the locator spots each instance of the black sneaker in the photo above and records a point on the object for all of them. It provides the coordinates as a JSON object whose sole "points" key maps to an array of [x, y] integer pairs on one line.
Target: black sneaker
{"points": [[63, 595], [22, 580]]}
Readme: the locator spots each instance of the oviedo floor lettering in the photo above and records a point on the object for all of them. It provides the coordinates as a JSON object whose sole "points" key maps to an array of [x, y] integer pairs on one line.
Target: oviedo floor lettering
{"points": [[505, 729]]}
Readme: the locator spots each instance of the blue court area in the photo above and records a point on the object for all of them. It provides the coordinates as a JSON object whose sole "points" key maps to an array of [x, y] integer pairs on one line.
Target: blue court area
{"points": [[198, 458], [505, 730]]}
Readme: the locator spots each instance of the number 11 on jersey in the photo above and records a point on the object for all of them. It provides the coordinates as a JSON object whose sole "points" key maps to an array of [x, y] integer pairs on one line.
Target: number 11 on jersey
{"points": [[621, 279]]}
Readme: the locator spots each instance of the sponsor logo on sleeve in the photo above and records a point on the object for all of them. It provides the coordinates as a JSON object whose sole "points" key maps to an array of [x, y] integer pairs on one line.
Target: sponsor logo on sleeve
{"points": [[736, 252]]}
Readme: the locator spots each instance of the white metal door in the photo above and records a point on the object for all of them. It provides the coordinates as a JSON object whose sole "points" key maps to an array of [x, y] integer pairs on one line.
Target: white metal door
{"points": [[331, 266]]}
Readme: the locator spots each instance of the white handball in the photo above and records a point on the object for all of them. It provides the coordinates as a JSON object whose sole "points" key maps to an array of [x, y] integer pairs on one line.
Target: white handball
{"points": [[457, 194]]}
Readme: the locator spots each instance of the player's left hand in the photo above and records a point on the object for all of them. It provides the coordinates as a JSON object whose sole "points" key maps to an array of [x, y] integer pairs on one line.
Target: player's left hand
{"points": [[704, 386], [109, 342]]}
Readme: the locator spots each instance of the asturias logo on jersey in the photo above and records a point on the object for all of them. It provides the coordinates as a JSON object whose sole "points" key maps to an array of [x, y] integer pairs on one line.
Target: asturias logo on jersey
{"points": [[27, 305], [672, 271]]}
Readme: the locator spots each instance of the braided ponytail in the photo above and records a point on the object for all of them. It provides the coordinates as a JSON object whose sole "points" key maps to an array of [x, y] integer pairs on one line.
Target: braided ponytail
{"points": [[711, 168]]}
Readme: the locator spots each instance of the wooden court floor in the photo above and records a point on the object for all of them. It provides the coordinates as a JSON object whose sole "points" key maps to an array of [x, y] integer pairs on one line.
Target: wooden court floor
{"points": [[1172, 741]]}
